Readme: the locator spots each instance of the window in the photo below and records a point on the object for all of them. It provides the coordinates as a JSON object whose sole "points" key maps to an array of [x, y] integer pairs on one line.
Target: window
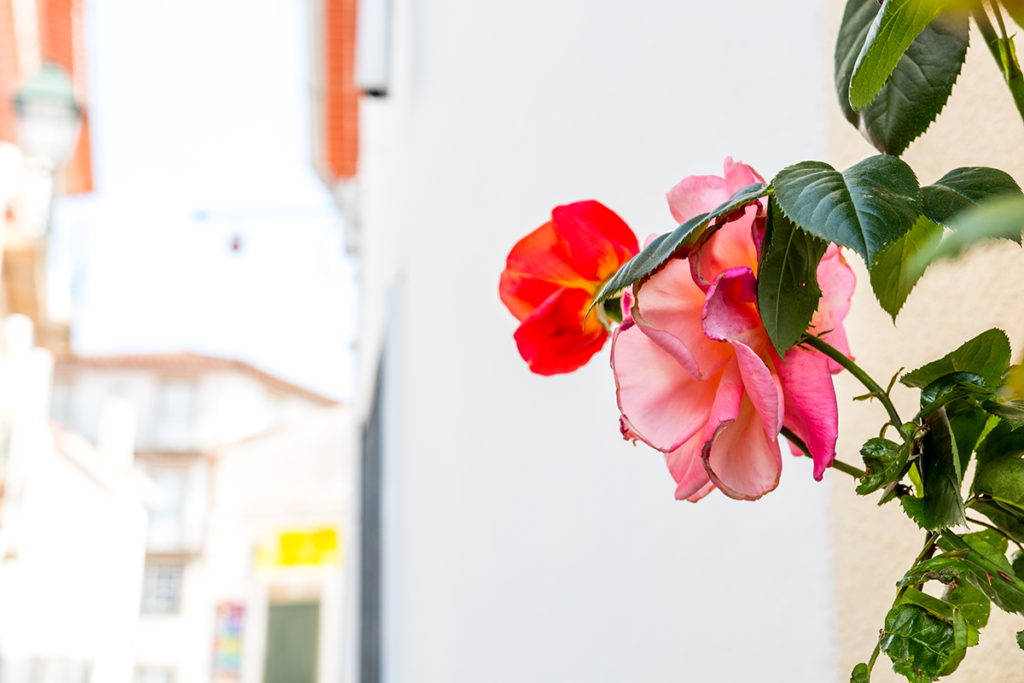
{"points": [[154, 674], [165, 532], [60, 403], [161, 589], [174, 422]]}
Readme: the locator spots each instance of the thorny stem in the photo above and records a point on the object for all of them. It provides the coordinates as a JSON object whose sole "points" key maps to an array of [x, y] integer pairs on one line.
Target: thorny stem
{"points": [[926, 553], [1001, 47], [836, 463], [863, 377]]}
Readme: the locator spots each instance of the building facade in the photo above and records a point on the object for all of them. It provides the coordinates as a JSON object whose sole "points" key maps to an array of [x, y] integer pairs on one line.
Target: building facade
{"points": [[181, 409]]}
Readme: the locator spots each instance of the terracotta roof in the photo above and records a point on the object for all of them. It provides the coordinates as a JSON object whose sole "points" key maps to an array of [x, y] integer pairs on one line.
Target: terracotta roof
{"points": [[184, 363]]}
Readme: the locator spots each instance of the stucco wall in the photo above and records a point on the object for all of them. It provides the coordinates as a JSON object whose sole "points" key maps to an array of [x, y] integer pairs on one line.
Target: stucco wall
{"points": [[952, 303]]}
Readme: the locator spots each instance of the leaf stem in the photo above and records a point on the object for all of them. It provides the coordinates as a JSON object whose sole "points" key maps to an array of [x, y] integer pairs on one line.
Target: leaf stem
{"points": [[1001, 47], [836, 463], [863, 377]]}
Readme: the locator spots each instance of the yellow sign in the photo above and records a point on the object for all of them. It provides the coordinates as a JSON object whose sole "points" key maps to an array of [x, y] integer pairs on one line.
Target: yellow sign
{"points": [[309, 548]]}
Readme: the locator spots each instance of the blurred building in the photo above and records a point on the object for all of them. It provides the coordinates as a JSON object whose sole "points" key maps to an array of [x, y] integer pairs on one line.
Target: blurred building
{"points": [[72, 533], [42, 53], [185, 407], [280, 519]]}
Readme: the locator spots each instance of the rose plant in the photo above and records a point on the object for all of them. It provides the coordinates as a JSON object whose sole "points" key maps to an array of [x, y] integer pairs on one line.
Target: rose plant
{"points": [[726, 330]]}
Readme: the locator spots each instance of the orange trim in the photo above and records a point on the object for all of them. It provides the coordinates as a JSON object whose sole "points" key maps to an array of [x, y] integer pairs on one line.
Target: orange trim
{"points": [[341, 96], [8, 72]]}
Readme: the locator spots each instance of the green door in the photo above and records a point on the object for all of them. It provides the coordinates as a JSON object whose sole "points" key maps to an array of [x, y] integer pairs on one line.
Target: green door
{"points": [[292, 630]]}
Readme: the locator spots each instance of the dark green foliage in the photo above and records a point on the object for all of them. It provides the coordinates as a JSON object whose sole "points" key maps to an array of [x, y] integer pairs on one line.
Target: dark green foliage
{"points": [[941, 506], [987, 355], [885, 462], [962, 189], [787, 280], [865, 208], [891, 277], [895, 26], [919, 86]]}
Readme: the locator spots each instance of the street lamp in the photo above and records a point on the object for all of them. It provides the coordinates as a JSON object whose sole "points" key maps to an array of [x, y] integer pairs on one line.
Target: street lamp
{"points": [[49, 116], [49, 120]]}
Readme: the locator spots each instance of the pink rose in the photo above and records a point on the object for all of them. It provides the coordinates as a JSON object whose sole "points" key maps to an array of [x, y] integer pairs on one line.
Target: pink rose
{"points": [[696, 375]]}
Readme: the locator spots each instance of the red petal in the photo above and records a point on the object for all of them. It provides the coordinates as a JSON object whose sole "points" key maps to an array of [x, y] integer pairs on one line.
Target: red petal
{"points": [[553, 339], [596, 241]]}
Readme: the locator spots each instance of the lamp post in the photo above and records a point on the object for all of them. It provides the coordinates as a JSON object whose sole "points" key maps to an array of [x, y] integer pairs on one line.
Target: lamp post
{"points": [[49, 120], [49, 116]]}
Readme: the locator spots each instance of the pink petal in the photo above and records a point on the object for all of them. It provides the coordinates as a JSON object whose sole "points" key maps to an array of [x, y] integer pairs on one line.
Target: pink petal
{"points": [[668, 308], [731, 246], [740, 459], [707, 488], [730, 311], [837, 283], [659, 401], [697, 194], [762, 388], [810, 402], [687, 469], [726, 401], [739, 175]]}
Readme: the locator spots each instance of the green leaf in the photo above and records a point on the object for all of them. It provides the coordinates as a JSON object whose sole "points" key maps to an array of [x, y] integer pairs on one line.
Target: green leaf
{"points": [[1020, 639], [987, 355], [894, 28], [885, 462], [891, 280], [865, 208], [1003, 480], [1002, 442], [972, 603], [919, 86], [787, 279], [951, 387], [989, 569], [679, 242], [1011, 410], [1006, 517], [1015, 8], [964, 188], [1000, 218], [861, 674], [919, 643], [942, 505]]}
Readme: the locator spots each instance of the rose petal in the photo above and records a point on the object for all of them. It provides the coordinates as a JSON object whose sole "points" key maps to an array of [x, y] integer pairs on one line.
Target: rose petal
{"points": [[762, 388], [695, 195], [837, 283], [595, 240], [668, 308], [542, 255], [730, 310], [660, 403], [739, 175], [554, 340], [523, 293], [810, 400], [740, 459], [687, 469], [731, 246]]}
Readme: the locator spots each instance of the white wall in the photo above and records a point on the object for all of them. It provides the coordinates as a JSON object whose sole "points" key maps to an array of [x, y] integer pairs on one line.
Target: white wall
{"points": [[527, 541]]}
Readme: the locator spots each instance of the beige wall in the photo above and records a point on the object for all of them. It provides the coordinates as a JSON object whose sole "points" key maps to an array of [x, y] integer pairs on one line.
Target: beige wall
{"points": [[874, 546]]}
